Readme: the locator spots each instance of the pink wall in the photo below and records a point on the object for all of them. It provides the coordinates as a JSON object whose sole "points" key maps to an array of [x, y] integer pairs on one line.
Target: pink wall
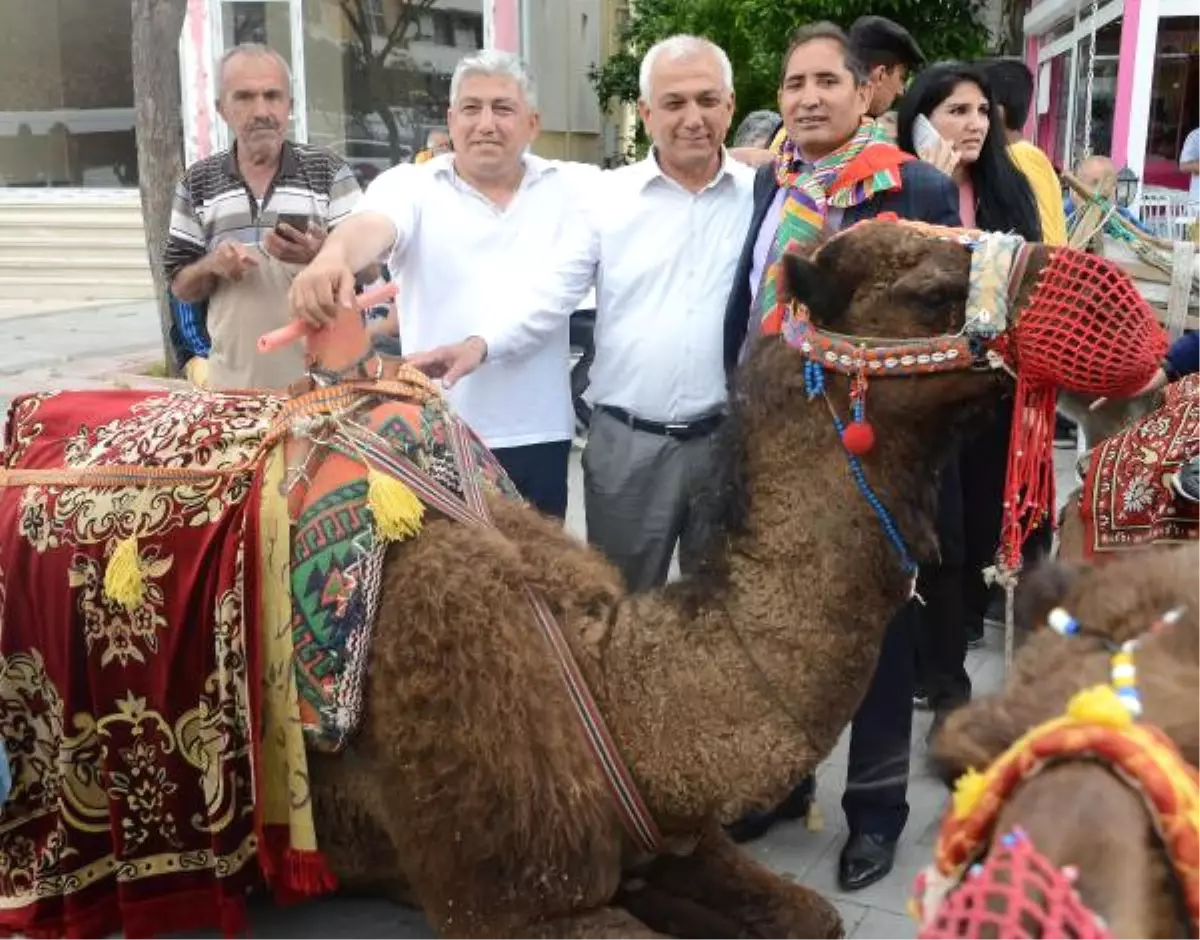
{"points": [[1125, 72], [506, 19]]}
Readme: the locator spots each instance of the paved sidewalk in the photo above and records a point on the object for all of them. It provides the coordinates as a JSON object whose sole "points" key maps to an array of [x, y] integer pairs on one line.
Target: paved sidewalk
{"points": [[92, 347], [107, 346]]}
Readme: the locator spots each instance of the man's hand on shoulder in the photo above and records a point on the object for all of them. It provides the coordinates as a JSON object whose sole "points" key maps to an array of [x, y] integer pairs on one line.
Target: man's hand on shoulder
{"points": [[752, 156]]}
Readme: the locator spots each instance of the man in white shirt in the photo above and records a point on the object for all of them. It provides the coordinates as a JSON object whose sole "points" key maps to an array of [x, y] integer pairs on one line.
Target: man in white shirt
{"points": [[661, 246], [1189, 163], [466, 230]]}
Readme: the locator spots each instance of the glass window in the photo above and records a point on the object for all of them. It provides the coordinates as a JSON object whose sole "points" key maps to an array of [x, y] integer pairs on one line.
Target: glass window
{"points": [[374, 96], [1104, 90], [1051, 134], [263, 21], [1174, 104], [66, 94]]}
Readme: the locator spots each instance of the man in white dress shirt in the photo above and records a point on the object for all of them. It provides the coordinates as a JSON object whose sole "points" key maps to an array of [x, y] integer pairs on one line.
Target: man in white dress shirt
{"points": [[661, 243], [465, 230]]}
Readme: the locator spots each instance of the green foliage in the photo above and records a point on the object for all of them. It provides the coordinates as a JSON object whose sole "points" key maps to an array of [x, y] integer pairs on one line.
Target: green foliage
{"points": [[755, 35]]}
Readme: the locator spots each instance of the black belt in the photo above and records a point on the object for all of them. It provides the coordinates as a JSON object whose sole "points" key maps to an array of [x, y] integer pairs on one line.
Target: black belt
{"points": [[679, 430]]}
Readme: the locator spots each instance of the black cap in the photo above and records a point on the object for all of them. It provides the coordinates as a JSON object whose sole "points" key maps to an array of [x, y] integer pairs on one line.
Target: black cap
{"points": [[879, 41]]}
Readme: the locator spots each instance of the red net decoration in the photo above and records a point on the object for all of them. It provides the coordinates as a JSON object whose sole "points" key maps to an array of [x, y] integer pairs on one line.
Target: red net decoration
{"points": [[1016, 893], [1086, 329]]}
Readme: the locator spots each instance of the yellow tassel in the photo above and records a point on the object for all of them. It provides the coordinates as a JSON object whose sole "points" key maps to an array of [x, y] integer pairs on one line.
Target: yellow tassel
{"points": [[814, 819], [397, 511], [124, 581], [1099, 705], [968, 791]]}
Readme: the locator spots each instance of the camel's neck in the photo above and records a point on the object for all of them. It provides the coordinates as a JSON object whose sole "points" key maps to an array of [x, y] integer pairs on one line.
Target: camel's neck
{"points": [[1081, 814], [752, 680]]}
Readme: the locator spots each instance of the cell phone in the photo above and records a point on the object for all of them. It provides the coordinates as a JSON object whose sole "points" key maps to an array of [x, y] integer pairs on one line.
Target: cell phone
{"points": [[925, 138], [297, 220]]}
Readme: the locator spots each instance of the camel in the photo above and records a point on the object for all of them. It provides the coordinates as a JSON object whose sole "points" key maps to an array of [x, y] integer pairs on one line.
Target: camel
{"points": [[1113, 418], [771, 651], [1081, 813], [469, 788]]}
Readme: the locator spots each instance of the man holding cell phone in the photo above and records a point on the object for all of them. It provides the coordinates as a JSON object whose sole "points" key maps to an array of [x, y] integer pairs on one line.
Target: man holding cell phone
{"points": [[245, 221]]}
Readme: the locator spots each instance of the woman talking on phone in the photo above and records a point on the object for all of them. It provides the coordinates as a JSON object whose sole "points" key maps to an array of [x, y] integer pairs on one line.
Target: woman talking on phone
{"points": [[948, 118]]}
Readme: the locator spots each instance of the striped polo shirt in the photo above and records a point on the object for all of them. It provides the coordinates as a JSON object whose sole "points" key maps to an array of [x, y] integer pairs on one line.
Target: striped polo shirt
{"points": [[214, 204]]}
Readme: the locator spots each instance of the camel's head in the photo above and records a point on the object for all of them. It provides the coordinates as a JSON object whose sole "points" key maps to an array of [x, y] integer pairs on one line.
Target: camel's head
{"points": [[940, 304], [897, 289], [1076, 801]]}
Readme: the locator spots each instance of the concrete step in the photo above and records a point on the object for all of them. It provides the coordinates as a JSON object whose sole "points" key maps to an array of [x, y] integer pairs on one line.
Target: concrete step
{"points": [[70, 238], [92, 263], [75, 287], [57, 255], [73, 247], [54, 218]]}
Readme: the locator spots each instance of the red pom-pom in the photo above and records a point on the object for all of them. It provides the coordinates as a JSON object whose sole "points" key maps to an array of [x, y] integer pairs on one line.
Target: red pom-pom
{"points": [[858, 438]]}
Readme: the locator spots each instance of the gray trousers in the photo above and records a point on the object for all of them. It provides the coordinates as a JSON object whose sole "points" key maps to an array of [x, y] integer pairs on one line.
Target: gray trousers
{"points": [[644, 494]]}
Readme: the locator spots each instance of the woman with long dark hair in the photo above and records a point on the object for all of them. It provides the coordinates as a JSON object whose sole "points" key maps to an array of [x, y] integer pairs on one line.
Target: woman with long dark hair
{"points": [[957, 100], [994, 196]]}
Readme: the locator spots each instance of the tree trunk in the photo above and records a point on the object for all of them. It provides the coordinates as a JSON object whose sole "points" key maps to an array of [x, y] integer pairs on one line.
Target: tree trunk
{"points": [[157, 25], [393, 131]]}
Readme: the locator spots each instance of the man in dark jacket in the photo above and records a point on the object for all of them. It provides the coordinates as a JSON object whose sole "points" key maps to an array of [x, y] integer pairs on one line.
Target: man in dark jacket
{"points": [[824, 95]]}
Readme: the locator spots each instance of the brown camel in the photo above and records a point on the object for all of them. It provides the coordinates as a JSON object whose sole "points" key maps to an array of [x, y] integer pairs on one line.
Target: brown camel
{"points": [[470, 788], [1080, 813], [470, 777]]}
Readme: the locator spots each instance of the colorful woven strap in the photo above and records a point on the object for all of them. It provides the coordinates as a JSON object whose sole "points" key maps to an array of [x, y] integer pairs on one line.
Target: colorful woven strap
{"points": [[1097, 726], [472, 509]]}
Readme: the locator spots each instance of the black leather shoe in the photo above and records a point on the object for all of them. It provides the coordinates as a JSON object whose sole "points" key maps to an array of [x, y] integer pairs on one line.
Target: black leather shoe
{"points": [[752, 826], [795, 805], [865, 859]]}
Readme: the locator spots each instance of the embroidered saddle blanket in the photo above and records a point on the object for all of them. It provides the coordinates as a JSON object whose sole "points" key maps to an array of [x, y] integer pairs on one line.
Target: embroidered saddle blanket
{"points": [[1129, 500], [140, 788]]}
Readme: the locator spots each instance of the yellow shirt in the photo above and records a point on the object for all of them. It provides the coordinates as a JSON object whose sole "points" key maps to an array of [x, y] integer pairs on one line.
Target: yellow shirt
{"points": [[1047, 192]]}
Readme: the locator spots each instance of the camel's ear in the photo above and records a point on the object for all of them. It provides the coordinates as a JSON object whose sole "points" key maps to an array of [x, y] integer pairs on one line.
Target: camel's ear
{"points": [[804, 283], [1040, 591]]}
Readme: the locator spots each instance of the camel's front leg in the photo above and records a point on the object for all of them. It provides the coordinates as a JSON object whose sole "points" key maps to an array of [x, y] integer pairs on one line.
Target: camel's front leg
{"points": [[721, 879]]}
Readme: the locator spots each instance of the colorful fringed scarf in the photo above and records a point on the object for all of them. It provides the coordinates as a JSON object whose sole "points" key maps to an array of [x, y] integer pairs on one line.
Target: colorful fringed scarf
{"points": [[865, 166]]}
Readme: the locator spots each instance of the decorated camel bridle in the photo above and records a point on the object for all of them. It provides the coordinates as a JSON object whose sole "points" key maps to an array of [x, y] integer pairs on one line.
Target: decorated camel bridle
{"points": [[979, 887], [1083, 327], [998, 265]]}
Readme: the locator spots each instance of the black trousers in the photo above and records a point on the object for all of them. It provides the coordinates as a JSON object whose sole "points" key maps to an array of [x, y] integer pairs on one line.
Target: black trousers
{"points": [[970, 512], [875, 798], [942, 625], [539, 472]]}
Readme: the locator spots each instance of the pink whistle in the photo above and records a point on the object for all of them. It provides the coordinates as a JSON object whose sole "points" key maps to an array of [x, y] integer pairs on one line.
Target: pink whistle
{"points": [[298, 329]]}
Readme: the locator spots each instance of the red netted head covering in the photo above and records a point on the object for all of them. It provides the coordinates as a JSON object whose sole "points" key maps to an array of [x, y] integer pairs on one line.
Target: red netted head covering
{"points": [[1015, 893], [1087, 329], [1084, 328]]}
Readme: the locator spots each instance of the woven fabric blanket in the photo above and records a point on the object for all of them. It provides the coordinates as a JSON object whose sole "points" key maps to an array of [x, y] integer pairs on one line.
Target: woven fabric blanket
{"points": [[337, 558], [128, 725], [1128, 500]]}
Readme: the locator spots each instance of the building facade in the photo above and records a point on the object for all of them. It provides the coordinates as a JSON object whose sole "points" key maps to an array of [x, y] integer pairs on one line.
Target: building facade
{"points": [[371, 79], [1125, 68]]}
